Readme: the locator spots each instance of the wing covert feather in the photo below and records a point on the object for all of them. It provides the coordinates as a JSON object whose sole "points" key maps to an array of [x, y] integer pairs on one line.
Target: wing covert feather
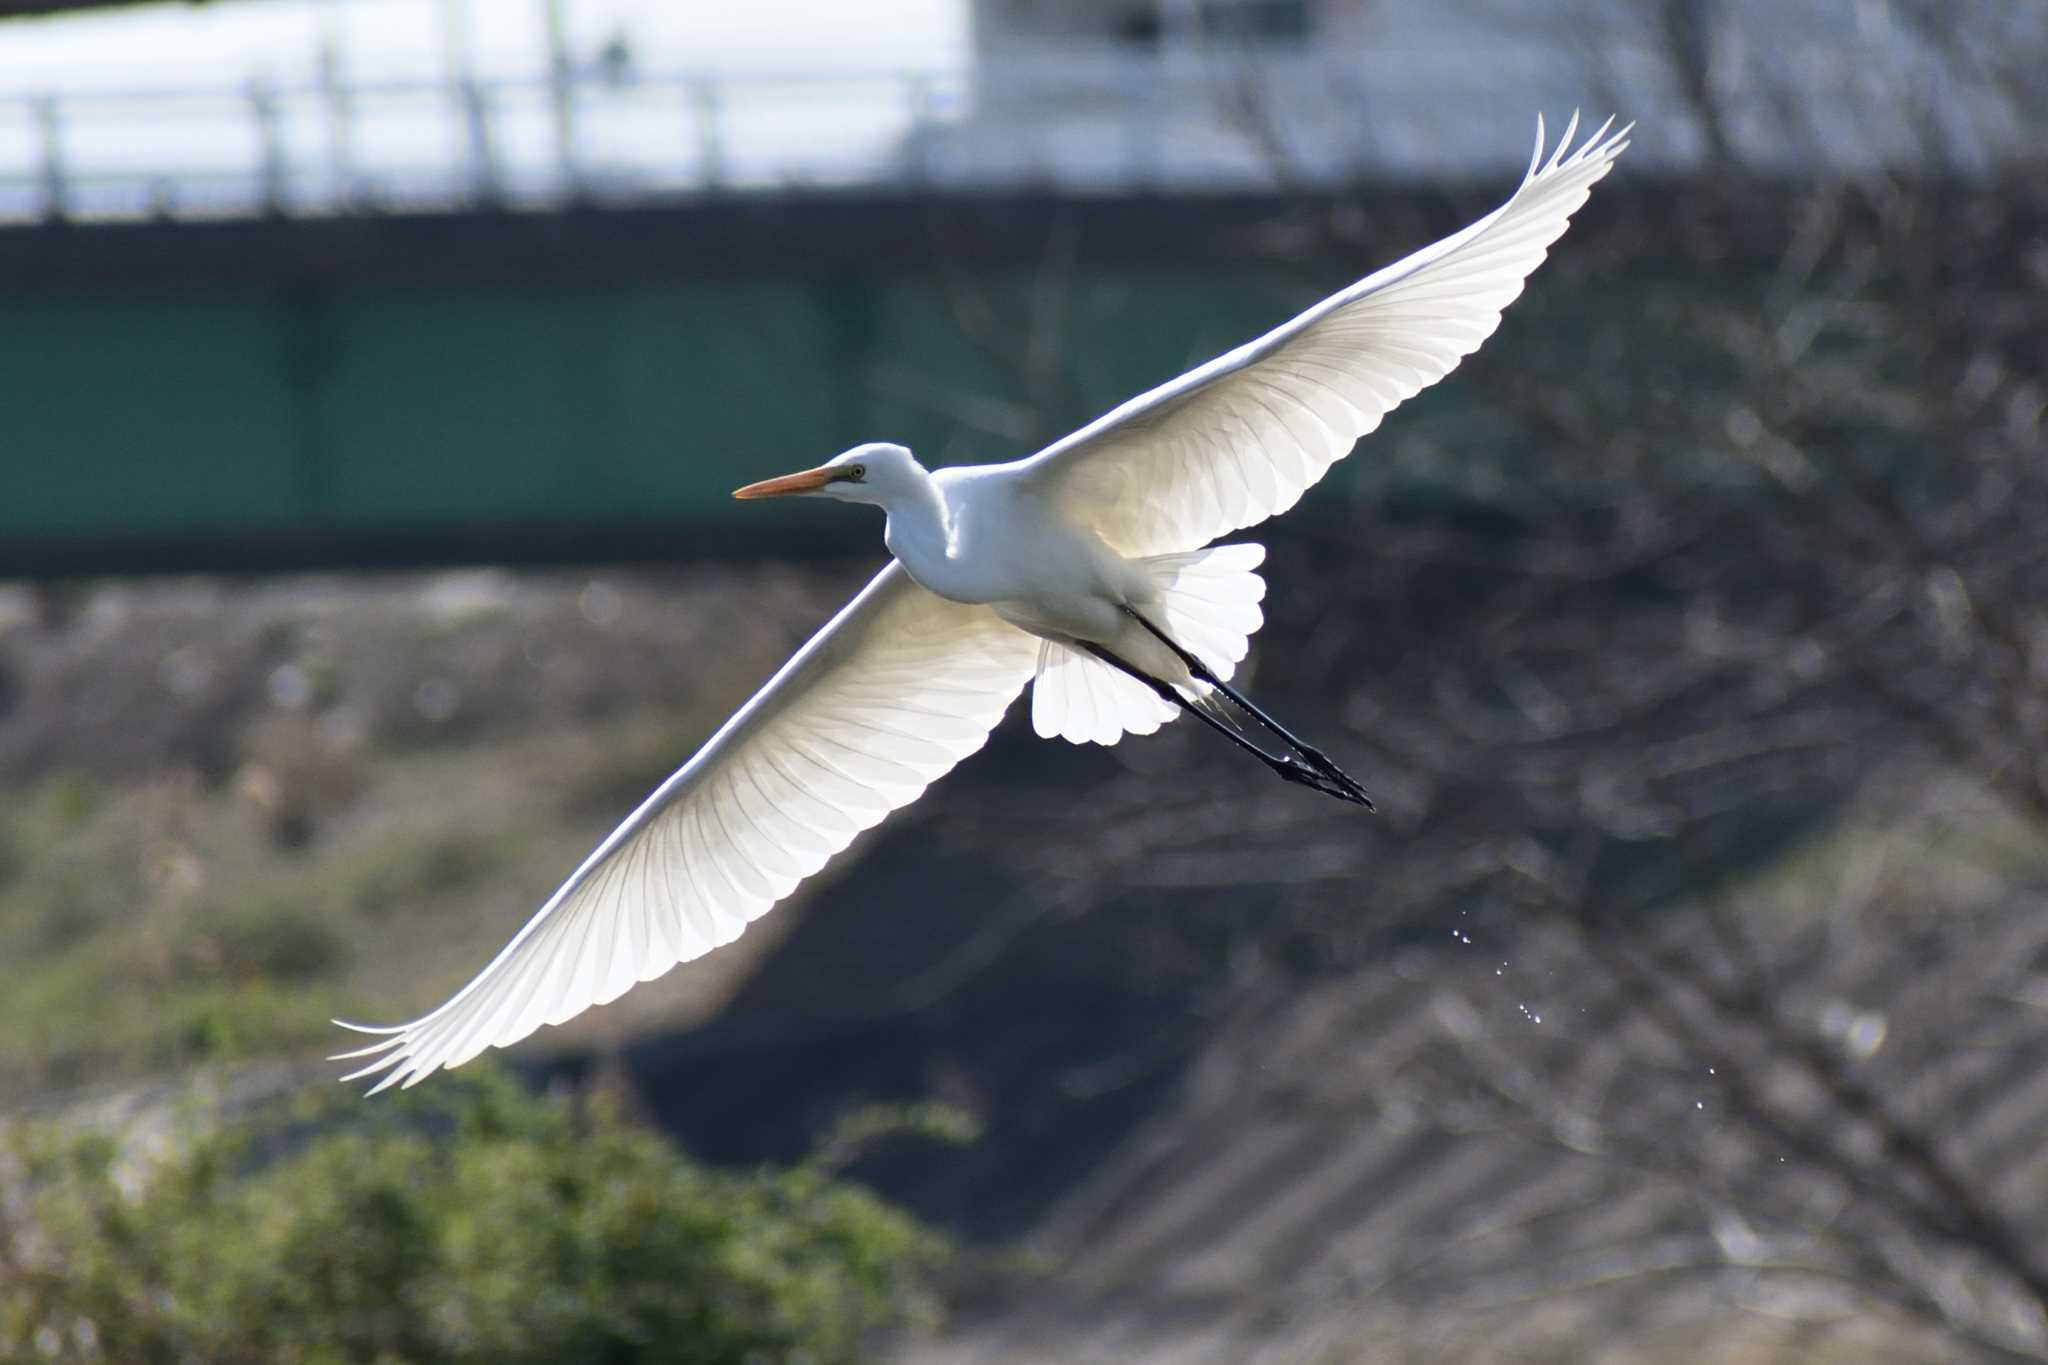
{"points": [[895, 690], [1241, 438]]}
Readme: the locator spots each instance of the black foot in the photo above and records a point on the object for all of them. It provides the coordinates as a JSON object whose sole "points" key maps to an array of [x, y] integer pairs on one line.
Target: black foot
{"points": [[1312, 769], [1323, 774], [1333, 783], [1324, 765]]}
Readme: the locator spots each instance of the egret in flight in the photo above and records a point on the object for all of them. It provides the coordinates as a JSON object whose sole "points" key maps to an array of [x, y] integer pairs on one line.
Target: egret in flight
{"points": [[1086, 570]]}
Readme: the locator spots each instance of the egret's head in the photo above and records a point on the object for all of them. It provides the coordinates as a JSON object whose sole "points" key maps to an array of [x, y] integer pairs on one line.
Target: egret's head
{"points": [[876, 473]]}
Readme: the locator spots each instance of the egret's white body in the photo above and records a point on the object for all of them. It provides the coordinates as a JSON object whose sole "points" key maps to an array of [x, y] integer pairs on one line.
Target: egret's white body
{"points": [[982, 536], [1094, 552]]}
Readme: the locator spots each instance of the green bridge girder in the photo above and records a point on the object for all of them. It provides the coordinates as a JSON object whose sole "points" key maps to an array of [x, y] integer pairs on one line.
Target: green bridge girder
{"points": [[198, 421]]}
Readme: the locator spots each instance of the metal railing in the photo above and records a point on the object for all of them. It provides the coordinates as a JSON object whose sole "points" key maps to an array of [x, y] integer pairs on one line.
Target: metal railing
{"points": [[423, 145], [1094, 120]]}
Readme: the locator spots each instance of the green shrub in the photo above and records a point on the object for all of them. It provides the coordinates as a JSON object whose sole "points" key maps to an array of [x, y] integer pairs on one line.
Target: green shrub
{"points": [[265, 938], [411, 866], [475, 1224]]}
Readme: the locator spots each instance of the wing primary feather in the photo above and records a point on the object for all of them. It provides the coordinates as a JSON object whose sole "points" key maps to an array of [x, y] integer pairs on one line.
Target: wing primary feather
{"points": [[802, 810], [787, 860], [817, 755], [1231, 442]]}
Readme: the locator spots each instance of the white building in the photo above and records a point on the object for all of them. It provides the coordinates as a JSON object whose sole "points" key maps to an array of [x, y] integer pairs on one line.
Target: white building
{"points": [[1216, 93]]}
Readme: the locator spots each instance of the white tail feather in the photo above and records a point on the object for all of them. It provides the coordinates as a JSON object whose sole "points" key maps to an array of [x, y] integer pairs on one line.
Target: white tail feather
{"points": [[1210, 599], [1208, 603]]}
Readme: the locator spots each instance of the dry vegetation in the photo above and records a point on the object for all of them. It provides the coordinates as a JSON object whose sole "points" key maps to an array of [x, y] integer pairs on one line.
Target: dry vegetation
{"points": [[238, 809]]}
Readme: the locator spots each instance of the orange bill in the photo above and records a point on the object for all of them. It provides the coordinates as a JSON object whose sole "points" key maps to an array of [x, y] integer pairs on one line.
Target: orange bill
{"points": [[809, 481]]}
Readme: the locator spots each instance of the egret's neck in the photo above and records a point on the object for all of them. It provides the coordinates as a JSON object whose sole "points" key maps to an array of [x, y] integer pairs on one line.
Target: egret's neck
{"points": [[920, 531]]}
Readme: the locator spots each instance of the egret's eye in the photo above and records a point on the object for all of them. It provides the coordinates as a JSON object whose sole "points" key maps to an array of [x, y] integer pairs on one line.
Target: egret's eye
{"points": [[856, 472]]}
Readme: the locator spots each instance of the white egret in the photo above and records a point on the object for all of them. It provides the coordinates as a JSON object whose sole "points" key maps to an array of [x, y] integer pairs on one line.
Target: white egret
{"points": [[1086, 570]]}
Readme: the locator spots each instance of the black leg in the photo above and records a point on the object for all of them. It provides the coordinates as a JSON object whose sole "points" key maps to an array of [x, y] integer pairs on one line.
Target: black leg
{"points": [[1315, 757], [1290, 768]]}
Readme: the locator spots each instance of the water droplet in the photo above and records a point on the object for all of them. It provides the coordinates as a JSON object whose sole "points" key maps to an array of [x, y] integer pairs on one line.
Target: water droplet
{"points": [[290, 687], [599, 603], [436, 699]]}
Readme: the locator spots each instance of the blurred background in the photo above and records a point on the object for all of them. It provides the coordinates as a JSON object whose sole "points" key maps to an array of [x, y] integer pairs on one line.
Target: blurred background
{"points": [[373, 374]]}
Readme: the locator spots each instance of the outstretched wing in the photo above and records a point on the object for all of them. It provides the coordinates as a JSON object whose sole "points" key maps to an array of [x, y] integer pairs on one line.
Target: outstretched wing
{"points": [[896, 689], [1241, 438]]}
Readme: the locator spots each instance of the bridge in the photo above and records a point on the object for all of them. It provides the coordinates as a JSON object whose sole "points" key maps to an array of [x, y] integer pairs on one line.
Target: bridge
{"points": [[313, 321]]}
